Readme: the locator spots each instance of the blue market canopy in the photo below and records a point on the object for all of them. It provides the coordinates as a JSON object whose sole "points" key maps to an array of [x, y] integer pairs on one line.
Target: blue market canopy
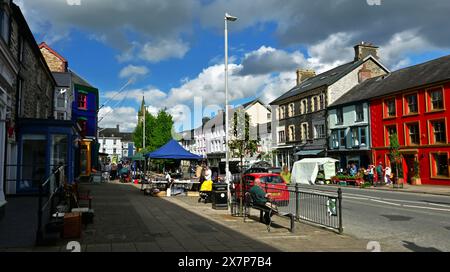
{"points": [[172, 151]]}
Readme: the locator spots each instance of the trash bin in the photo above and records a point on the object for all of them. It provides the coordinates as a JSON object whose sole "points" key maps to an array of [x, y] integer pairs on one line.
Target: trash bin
{"points": [[220, 196]]}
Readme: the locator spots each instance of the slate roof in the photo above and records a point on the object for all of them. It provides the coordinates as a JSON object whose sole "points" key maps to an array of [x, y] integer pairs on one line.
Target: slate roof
{"points": [[62, 79], [430, 72], [79, 80], [126, 137], [250, 103], [324, 79], [108, 132]]}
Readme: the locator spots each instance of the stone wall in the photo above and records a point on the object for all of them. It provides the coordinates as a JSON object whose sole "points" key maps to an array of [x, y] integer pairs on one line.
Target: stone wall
{"points": [[37, 86], [54, 63]]}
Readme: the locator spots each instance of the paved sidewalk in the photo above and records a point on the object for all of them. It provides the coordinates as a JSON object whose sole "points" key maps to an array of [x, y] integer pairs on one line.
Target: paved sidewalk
{"points": [[127, 221]]}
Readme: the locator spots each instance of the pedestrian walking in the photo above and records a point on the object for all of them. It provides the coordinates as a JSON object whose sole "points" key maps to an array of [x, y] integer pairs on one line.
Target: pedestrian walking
{"points": [[113, 171], [371, 173], [388, 173], [380, 175]]}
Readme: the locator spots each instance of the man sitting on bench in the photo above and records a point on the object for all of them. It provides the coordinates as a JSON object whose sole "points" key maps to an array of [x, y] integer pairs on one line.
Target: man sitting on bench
{"points": [[261, 199]]}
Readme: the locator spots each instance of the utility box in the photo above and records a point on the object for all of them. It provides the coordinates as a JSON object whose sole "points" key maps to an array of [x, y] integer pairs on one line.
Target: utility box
{"points": [[220, 196]]}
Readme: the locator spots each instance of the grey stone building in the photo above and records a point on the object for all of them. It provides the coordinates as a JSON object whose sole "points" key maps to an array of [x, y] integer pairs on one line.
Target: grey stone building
{"points": [[299, 125], [29, 86]]}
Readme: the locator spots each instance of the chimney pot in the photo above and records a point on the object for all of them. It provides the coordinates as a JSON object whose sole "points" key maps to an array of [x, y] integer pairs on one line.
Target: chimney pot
{"points": [[303, 74], [364, 49]]}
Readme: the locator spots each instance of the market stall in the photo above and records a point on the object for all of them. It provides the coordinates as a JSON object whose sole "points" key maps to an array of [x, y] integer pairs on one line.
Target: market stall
{"points": [[172, 151], [307, 170]]}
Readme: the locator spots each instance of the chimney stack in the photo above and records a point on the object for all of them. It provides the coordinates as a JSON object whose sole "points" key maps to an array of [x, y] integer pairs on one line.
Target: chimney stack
{"points": [[303, 75], [118, 128], [364, 49]]}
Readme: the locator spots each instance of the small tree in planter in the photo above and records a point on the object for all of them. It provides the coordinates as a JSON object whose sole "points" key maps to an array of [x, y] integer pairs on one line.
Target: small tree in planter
{"points": [[242, 143], [416, 180], [396, 159]]}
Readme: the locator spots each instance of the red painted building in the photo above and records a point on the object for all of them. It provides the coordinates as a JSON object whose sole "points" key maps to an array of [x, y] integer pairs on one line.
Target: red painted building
{"points": [[414, 103]]}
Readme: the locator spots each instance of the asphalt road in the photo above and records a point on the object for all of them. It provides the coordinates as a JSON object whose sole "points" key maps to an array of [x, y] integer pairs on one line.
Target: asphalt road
{"points": [[397, 221]]}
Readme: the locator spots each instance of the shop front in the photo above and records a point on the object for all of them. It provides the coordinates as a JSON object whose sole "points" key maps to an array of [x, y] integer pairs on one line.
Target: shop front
{"points": [[43, 146], [423, 165]]}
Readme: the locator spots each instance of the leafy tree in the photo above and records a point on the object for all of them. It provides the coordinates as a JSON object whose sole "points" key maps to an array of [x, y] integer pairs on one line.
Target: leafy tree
{"points": [[395, 156], [158, 131], [242, 142]]}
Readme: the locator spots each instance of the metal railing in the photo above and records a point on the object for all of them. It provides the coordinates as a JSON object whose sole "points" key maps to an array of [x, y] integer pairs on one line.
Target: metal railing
{"points": [[323, 209], [53, 186]]}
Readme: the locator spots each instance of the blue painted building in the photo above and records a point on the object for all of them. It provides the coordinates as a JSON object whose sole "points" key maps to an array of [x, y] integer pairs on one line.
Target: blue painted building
{"points": [[85, 108]]}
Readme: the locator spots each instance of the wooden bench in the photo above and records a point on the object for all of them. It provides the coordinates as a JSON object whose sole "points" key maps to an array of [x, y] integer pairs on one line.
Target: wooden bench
{"points": [[248, 204]]}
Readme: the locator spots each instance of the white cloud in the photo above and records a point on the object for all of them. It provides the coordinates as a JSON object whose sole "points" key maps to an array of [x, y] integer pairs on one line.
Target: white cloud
{"points": [[164, 49], [335, 50], [151, 95], [268, 60], [133, 71], [395, 53], [125, 117]]}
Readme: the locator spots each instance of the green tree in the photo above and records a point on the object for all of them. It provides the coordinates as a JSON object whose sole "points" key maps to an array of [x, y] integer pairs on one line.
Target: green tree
{"points": [[158, 131], [395, 156], [242, 143]]}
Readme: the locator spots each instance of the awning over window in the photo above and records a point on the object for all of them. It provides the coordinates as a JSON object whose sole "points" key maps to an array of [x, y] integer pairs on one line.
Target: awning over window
{"points": [[309, 152]]}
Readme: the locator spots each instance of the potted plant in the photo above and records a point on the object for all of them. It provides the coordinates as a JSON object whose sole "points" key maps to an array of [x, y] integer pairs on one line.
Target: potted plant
{"points": [[416, 180]]}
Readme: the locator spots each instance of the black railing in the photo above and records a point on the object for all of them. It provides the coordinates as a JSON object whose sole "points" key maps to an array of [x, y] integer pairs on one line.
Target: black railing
{"points": [[318, 208], [50, 188]]}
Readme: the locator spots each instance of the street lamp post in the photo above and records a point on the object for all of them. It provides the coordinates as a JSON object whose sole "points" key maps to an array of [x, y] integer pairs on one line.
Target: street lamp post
{"points": [[227, 155]]}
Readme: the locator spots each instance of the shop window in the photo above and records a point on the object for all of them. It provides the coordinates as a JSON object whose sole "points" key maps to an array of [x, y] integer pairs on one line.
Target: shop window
{"points": [[389, 108], [439, 132], [439, 165], [413, 134], [411, 104], [82, 101], [436, 99]]}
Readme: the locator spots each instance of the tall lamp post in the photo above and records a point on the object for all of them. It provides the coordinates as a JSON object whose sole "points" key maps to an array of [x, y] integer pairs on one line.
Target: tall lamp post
{"points": [[227, 155]]}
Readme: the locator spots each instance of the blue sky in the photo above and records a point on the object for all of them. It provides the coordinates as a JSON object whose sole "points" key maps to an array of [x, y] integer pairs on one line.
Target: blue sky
{"points": [[174, 50]]}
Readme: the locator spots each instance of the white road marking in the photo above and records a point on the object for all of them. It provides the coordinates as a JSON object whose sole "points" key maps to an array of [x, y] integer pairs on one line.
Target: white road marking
{"points": [[427, 208], [385, 202]]}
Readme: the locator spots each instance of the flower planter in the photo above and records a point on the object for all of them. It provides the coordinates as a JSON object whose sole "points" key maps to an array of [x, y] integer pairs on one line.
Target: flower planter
{"points": [[416, 181]]}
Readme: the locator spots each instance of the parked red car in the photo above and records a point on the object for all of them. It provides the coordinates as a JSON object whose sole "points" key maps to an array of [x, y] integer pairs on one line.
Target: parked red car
{"points": [[274, 184]]}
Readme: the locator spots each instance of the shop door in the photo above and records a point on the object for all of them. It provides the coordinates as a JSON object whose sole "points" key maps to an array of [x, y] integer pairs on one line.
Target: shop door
{"points": [[34, 165], [409, 171]]}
